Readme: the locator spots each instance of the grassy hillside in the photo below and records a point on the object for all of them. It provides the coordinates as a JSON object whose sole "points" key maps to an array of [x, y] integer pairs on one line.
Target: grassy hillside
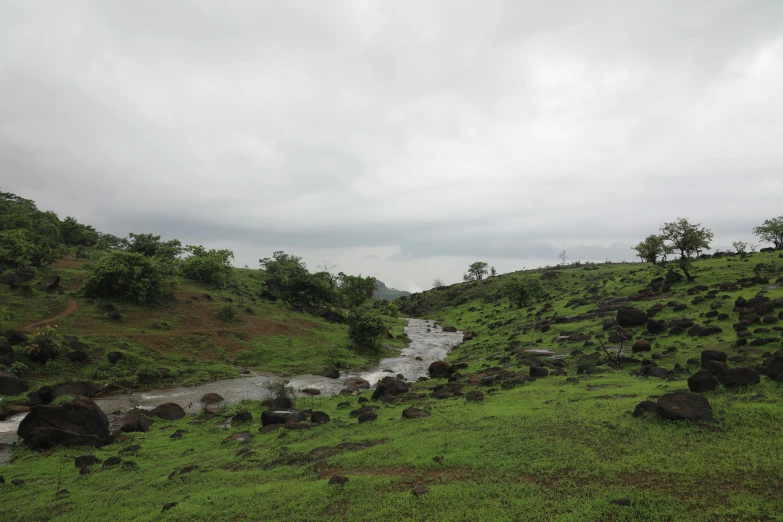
{"points": [[182, 343], [562, 447]]}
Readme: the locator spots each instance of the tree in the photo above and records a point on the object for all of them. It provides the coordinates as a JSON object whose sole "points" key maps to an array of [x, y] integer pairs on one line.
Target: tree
{"points": [[522, 289], [563, 255], [355, 290], [288, 278], [476, 271], [652, 248], [686, 239], [111, 242], [740, 246], [437, 282], [366, 328], [207, 266], [73, 233], [150, 245], [28, 236], [130, 276], [771, 231], [493, 272]]}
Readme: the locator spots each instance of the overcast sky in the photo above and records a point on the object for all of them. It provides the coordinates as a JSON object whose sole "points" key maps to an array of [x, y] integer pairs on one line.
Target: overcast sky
{"points": [[400, 139]]}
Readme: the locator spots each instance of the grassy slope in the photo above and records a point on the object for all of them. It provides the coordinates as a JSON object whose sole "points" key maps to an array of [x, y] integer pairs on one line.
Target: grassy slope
{"points": [[186, 337], [548, 450]]}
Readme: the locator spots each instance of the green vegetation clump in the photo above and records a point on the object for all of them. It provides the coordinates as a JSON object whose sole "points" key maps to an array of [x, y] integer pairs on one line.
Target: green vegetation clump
{"points": [[366, 328], [129, 276], [28, 236], [207, 266]]}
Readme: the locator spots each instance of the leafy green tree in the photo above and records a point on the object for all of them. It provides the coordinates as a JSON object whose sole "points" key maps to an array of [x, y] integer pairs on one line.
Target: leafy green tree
{"points": [[111, 242], [150, 245], [687, 240], [366, 328], [740, 246], [288, 278], [355, 290], [652, 248], [492, 272], [28, 236], [476, 271], [207, 266], [522, 289], [130, 276], [771, 231], [73, 233]]}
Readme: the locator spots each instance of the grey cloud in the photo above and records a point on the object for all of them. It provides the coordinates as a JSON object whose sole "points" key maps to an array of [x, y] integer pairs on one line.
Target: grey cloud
{"points": [[501, 129]]}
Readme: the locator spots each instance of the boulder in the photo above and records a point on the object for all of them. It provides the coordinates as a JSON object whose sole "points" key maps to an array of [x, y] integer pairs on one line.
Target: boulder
{"points": [[242, 417], [76, 356], [134, 421], [85, 389], [367, 417], [774, 367], [642, 345], [331, 372], [682, 405], [630, 316], [79, 422], [474, 396], [338, 480], [414, 413], [169, 411], [439, 370], [703, 381], [449, 329], [655, 327], [389, 387], [357, 382], [538, 371], [710, 330], [712, 355], [211, 398], [467, 336], [319, 417], [50, 283], [44, 395], [15, 336], [113, 357], [739, 377], [11, 384], [282, 417]]}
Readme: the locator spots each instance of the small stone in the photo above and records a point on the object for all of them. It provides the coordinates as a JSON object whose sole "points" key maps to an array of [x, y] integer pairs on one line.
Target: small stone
{"points": [[338, 480]]}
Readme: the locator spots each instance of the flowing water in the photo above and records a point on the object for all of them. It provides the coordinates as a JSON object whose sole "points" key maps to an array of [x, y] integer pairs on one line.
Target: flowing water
{"points": [[428, 344]]}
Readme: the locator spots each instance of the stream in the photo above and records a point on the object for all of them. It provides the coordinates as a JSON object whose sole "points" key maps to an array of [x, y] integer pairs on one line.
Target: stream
{"points": [[427, 344]]}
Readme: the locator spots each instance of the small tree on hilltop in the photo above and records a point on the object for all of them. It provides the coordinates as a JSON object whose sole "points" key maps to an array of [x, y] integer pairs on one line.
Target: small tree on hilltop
{"points": [[563, 255], [437, 282], [771, 231], [686, 239], [130, 277], [522, 289], [740, 246], [651, 249], [493, 272], [476, 271]]}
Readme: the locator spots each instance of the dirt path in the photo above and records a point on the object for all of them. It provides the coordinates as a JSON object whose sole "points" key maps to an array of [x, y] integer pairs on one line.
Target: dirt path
{"points": [[70, 308]]}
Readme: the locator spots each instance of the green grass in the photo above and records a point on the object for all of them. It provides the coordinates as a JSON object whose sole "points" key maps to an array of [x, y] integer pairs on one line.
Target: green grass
{"points": [[546, 450]]}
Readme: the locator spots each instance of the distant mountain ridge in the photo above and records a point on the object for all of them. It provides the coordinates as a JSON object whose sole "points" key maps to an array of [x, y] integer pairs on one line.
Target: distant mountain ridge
{"points": [[386, 293]]}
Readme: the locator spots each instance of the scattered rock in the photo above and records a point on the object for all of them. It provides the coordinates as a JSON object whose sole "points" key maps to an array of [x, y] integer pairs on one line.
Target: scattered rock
{"points": [[538, 371], [319, 417], [712, 355], [630, 316], [642, 345], [703, 381], [439, 370], [338, 480], [169, 411], [449, 329], [85, 461], [168, 506], [79, 422], [654, 327], [211, 398], [739, 377], [113, 357], [242, 417], [241, 436], [414, 413], [367, 417], [281, 416], [682, 405], [621, 502], [11, 384], [134, 421], [474, 396]]}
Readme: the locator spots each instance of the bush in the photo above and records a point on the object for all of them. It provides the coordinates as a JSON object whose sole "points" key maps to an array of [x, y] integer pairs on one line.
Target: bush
{"points": [[366, 328], [227, 314], [45, 346], [130, 277], [278, 392], [207, 266]]}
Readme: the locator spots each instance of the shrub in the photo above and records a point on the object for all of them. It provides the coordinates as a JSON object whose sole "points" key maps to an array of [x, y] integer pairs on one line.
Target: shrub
{"points": [[207, 266], [130, 277], [227, 314], [366, 328], [45, 346], [278, 392]]}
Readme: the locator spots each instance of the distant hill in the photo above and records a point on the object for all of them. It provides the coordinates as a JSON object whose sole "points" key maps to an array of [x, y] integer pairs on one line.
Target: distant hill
{"points": [[386, 293]]}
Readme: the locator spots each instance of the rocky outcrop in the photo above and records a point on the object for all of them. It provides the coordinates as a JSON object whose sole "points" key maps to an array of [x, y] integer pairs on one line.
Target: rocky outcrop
{"points": [[79, 422]]}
